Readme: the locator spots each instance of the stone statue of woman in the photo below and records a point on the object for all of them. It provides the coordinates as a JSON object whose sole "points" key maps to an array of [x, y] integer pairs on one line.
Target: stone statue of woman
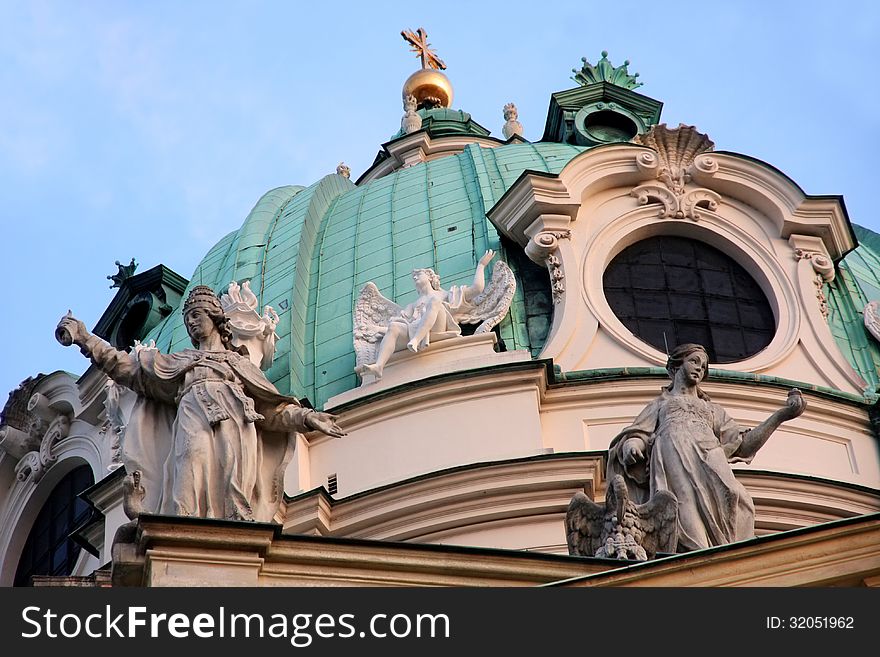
{"points": [[683, 443], [209, 435]]}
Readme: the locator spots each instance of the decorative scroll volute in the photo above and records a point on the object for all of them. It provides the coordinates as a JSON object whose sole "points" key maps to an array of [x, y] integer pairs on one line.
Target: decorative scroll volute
{"points": [[677, 154]]}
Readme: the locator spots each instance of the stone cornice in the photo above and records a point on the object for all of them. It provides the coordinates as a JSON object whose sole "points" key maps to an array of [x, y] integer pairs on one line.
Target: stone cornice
{"points": [[840, 553], [454, 498], [776, 195], [419, 147]]}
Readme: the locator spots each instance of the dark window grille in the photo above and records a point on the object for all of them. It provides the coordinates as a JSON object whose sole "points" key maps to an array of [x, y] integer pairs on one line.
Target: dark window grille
{"points": [[671, 290], [48, 550]]}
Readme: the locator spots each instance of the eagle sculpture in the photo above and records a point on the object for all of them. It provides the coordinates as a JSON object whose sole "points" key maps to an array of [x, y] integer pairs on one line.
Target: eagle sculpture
{"points": [[622, 529]]}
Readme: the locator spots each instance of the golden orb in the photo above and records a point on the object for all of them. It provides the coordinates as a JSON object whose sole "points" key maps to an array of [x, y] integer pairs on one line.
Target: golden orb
{"points": [[430, 87]]}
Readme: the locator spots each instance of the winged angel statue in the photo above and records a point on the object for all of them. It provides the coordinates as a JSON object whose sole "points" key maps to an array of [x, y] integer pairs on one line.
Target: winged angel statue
{"points": [[381, 327], [622, 529], [872, 319]]}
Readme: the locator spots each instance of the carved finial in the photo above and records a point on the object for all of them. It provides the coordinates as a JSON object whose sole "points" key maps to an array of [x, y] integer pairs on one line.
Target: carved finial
{"points": [[511, 126], [125, 271], [419, 42], [343, 170], [603, 71]]}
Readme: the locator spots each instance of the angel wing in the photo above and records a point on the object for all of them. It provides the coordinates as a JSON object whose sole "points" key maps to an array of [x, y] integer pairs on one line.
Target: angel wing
{"points": [[490, 306], [658, 520], [584, 522], [372, 313], [872, 319]]}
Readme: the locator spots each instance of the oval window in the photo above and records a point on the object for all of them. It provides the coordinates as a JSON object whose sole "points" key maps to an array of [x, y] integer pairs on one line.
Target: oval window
{"points": [[671, 290]]}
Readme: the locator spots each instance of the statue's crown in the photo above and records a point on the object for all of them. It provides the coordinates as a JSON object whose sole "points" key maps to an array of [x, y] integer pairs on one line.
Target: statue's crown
{"points": [[202, 296]]}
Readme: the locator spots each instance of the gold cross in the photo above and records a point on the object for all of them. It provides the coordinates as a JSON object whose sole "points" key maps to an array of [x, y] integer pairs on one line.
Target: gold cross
{"points": [[420, 46]]}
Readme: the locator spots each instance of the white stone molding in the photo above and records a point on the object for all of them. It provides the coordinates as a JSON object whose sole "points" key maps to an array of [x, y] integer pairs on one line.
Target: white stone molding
{"points": [[50, 407], [676, 150], [676, 154], [842, 555], [784, 503], [473, 425], [442, 357], [34, 465], [686, 205], [740, 206], [814, 268], [779, 199], [419, 147], [541, 249], [455, 502], [824, 273], [23, 501]]}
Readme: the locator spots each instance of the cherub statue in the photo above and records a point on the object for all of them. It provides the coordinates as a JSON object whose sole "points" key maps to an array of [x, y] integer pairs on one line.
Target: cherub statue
{"points": [[621, 529], [381, 327], [209, 435], [411, 120], [683, 443], [511, 126]]}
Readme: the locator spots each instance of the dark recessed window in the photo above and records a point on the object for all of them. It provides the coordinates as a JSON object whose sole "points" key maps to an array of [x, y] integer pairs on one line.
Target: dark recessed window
{"points": [[48, 550], [671, 290]]}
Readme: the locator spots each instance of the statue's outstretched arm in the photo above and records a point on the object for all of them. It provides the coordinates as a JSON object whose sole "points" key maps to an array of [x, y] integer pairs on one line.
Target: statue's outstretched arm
{"points": [[755, 438], [298, 418], [118, 365], [479, 282]]}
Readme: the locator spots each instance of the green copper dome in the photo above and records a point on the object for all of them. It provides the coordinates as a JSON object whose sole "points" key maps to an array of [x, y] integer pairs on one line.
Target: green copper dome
{"points": [[857, 282], [309, 251]]}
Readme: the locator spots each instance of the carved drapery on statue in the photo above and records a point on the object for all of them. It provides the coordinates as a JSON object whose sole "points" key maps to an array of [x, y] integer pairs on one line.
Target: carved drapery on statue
{"points": [[382, 327], [209, 435], [689, 442], [682, 444], [193, 432]]}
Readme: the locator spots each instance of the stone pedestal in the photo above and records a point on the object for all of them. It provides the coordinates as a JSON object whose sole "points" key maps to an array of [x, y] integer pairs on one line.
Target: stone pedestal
{"points": [[442, 357]]}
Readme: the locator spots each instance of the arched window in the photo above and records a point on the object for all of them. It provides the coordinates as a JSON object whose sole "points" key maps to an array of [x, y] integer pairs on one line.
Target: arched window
{"points": [[48, 550], [671, 290]]}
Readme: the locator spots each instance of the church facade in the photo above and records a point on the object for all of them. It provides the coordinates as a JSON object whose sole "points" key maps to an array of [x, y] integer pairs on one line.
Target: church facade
{"points": [[625, 237]]}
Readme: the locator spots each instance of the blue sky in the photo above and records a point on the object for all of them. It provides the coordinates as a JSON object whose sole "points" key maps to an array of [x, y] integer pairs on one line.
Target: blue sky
{"points": [[149, 130]]}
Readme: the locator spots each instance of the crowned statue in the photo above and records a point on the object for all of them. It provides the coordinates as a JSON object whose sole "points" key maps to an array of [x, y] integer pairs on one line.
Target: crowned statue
{"points": [[209, 435]]}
